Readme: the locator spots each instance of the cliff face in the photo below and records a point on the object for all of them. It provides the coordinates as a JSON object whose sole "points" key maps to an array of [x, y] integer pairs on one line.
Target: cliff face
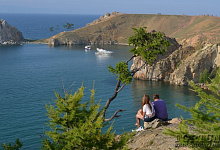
{"points": [[191, 67], [180, 65], [9, 33], [116, 28]]}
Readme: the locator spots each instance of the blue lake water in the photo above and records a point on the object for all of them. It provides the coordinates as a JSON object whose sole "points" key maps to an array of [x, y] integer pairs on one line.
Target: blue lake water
{"points": [[30, 73], [37, 26]]}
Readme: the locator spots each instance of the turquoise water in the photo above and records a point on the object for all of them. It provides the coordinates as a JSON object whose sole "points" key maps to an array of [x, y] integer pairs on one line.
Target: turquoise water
{"points": [[30, 73], [37, 26]]}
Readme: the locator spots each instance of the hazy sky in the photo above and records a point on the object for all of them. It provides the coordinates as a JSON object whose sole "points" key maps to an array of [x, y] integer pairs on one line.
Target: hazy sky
{"points": [[175, 7]]}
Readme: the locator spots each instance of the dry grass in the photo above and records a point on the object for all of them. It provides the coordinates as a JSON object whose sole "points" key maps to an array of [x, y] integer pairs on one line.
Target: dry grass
{"points": [[119, 27]]}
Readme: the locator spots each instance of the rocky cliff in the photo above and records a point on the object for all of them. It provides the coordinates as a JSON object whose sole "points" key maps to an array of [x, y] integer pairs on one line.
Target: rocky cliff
{"points": [[180, 62], [181, 65], [9, 34]]}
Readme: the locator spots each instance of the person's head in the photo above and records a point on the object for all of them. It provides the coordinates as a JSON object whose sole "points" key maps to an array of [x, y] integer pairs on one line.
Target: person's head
{"points": [[156, 96], [145, 100]]}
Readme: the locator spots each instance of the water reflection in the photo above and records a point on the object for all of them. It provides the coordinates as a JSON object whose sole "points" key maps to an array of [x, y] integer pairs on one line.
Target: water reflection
{"points": [[101, 57], [172, 94]]}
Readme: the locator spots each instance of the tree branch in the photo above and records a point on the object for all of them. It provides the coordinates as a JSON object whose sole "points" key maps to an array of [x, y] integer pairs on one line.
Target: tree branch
{"points": [[137, 69], [121, 87], [115, 115], [130, 59], [118, 88], [112, 98], [147, 45]]}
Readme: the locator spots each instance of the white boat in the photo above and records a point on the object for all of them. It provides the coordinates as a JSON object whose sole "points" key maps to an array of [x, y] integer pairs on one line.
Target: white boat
{"points": [[102, 51], [4, 43], [87, 47]]}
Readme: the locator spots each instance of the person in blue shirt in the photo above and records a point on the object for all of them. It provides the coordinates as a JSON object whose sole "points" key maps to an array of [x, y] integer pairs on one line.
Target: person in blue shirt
{"points": [[160, 108]]}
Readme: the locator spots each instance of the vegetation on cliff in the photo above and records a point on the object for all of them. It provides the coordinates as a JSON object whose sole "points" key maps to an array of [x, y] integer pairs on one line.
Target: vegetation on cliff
{"points": [[78, 125], [203, 129]]}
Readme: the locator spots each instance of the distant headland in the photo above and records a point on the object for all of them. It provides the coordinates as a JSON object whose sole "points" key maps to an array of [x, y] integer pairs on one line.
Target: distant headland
{"points": [[9, 34], [195, 42], [115, 28]]}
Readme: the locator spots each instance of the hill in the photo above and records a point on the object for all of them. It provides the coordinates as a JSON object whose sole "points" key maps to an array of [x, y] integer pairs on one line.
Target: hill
{"points": [[190, 30], [9, 34]]}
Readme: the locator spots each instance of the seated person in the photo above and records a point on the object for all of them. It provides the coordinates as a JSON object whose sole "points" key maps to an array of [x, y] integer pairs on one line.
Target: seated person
{"points": [[160, 108], [147, 112]]}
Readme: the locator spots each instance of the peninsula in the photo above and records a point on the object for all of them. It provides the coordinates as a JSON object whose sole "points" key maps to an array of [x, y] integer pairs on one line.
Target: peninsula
{"points": [[116, 28]]}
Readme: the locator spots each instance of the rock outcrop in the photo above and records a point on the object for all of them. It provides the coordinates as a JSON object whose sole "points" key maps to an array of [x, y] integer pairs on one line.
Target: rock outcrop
{"points": [[181, 65], [9, 34], [107, 15], [159, 70], [191, 67], [153, 138]]}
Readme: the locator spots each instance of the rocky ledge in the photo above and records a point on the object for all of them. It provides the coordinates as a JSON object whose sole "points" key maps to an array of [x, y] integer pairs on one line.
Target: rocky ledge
{"points": [[9, 34], [154, 138]]}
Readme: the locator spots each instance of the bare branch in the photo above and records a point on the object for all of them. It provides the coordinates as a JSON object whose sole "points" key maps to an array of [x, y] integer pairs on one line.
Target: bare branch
{"points": [[130, 59], [137, 69], [112, 98], [121, 87], [118, 88], [115, 115]]}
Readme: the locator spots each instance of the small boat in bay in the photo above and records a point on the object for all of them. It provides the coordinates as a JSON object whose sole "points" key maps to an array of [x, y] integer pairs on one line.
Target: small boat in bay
{"points": [[87, 47], [101, 51]]}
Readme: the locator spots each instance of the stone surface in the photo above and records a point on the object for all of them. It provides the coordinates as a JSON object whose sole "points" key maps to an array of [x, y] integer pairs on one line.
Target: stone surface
{"points": [[159, 70], [9, 34], [195, 64], [180, 65], [153, 124], [154, 139]]}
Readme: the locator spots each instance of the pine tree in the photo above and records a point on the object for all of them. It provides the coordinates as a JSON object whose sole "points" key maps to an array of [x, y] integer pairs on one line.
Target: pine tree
{"points": [[146, 45], [202, 130], [77, 125], [204, 77], [16, 146]]}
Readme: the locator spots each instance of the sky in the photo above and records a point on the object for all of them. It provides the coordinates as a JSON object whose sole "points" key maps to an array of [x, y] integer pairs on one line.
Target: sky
{"points": [[101, 7]]}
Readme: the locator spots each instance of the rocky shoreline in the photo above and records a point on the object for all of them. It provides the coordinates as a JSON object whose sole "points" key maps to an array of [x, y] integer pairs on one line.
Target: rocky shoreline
{"points": [[181, 65], [9, 35]]}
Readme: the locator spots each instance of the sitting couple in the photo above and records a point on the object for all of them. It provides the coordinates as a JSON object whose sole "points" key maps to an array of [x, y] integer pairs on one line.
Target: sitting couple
{"points": [[150, 111]]}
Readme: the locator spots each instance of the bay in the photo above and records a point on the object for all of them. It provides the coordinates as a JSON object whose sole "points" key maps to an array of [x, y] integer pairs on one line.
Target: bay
{"points": [[30, 73], [37, 26]]}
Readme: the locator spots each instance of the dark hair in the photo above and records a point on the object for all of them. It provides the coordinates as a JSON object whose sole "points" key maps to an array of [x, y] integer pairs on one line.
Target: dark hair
{"points": [[156, 96]]}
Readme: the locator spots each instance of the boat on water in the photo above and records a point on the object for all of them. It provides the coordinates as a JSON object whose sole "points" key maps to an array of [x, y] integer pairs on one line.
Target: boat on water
{"points": [[87, 47], [101, 51]]}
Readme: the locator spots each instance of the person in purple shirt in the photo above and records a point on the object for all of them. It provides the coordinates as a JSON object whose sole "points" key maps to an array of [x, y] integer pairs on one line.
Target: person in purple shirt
{"points": [[160, 108]]}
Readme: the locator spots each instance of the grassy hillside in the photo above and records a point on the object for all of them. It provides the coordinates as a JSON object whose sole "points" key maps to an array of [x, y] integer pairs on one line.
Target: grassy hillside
{"points": [[188, 29]]}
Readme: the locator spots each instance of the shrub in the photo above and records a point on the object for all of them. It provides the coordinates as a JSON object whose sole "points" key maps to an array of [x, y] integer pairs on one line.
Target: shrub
{"points": [[77, 125]]}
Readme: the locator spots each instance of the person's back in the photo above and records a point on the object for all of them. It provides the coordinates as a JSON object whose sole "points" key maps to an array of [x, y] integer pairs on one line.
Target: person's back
{"points": [[160, 108]]}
